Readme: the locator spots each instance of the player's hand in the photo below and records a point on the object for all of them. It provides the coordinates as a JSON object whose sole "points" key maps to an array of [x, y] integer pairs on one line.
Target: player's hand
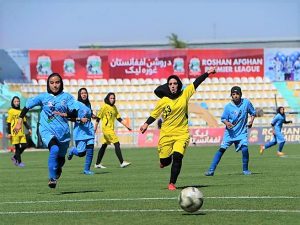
{"points": [[8, 136], [229, 125], [30, 131], [144, 127], [212, 70]]}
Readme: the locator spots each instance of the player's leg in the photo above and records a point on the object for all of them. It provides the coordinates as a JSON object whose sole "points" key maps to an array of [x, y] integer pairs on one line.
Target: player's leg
{"points": [[53, 147], [214, 163], [89, 158], [100, 156], [165, 161], [179, 148], [281, 142], [245, 160]]}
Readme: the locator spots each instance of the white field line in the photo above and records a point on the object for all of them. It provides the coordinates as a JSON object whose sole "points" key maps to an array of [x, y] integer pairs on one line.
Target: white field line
{"points": [[149, 210], [147, 199]]}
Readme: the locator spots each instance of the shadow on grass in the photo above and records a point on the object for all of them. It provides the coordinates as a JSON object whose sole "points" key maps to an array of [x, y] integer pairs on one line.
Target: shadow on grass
{"points": [[194, 214], [193, 185], [78, 192]]}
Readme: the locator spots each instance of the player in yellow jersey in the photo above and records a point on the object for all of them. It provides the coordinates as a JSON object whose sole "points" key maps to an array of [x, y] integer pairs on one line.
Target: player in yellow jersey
{"points": [[17, 139], [108, 114], [174, 134]]}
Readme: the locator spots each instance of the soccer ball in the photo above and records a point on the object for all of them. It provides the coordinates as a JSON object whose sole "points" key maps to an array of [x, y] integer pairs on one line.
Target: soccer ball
{"points": [[190, 199]]}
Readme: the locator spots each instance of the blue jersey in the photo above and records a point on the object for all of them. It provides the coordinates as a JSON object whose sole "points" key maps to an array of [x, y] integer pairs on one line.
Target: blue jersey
{"points": [[277, 122], [84, 131], [52, 125], [238, 116]]}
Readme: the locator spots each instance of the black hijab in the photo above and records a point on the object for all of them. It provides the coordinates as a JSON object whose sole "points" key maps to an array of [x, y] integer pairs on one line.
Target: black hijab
{"points": [[106, 99], [164, 90], [87, 101], [12, 102], [61, 84]]}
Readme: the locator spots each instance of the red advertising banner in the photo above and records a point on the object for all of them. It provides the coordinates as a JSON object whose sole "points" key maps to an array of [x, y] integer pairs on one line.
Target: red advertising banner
{"points": [[70, 64], [95, 64], [229, 62], [213, 136]]}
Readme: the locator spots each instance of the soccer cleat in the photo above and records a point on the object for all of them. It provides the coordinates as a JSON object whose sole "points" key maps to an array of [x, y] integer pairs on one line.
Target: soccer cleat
{"points": [[209, 173], [99, 166], [247, 172], [171, 187], [125, 164], [280, 154], [58, 172], [262, 149], [88, 172], [52, 183], [70, 155], [20, 164]]}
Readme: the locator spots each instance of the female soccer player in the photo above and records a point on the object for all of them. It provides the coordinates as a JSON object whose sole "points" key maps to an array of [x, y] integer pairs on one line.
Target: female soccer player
{"points": [[83, 133], [108, 113], [17, 139], [54, 129], [174, 134], [277, 122], [235, 117]]}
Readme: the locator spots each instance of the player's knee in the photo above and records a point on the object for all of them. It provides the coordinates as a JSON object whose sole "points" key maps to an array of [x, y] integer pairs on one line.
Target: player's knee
{"points": [[244, 148], [165, 161], [177, 157]]}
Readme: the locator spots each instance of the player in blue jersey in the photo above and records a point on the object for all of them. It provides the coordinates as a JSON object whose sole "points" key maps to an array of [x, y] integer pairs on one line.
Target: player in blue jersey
{"points": [[83, 131], [235, 117], [277, 122], [54, 129]]}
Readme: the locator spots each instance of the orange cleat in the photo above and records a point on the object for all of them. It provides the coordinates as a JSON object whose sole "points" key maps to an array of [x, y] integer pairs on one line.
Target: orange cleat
{"points": [[172, 187]]}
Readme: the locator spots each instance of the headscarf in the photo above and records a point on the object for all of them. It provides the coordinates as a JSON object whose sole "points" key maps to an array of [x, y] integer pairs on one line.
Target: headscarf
{"points": [[164, 90], [12, 102], [61, 84], [86, 101], [278, 110], [106, 99]]}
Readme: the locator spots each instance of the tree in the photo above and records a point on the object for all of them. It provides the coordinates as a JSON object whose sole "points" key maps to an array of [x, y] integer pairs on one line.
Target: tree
{"points": [[175, 42]]}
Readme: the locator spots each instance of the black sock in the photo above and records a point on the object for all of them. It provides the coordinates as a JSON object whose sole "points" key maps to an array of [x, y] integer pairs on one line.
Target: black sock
{"points": [[176, 166], [118, 152], [101, 153]]}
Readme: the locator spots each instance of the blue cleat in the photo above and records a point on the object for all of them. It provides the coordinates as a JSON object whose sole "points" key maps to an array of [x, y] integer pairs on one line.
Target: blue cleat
{"points": [[209, 173], [247, 172], [88, 172]]}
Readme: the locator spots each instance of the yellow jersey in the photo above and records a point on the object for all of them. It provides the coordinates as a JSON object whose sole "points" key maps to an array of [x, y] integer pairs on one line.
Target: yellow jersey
{"points": [[174, 113], [108, 114], [12, 118]]}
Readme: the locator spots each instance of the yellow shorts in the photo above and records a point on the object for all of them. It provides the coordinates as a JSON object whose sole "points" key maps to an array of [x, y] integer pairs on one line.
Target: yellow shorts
{"points": [[109, 137], [169, 144], [18, 140]]}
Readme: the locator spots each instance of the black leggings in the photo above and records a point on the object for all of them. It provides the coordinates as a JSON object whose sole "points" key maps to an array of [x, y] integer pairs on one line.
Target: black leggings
{"points": [[19, 150], [117, 151]]}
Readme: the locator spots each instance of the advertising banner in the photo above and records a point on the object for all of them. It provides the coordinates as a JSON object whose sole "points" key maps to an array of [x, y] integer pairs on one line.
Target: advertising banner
{"points": [[213, 136], [229, 62], [70, 64], [135, 63]]}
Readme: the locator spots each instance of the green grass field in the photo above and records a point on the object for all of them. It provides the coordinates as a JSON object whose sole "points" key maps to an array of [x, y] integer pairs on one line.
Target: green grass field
{"points": [[138, 194]]}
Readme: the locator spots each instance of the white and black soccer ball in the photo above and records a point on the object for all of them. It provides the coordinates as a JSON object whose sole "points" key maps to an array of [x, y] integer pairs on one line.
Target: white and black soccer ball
{"points": [[190, 199]]}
